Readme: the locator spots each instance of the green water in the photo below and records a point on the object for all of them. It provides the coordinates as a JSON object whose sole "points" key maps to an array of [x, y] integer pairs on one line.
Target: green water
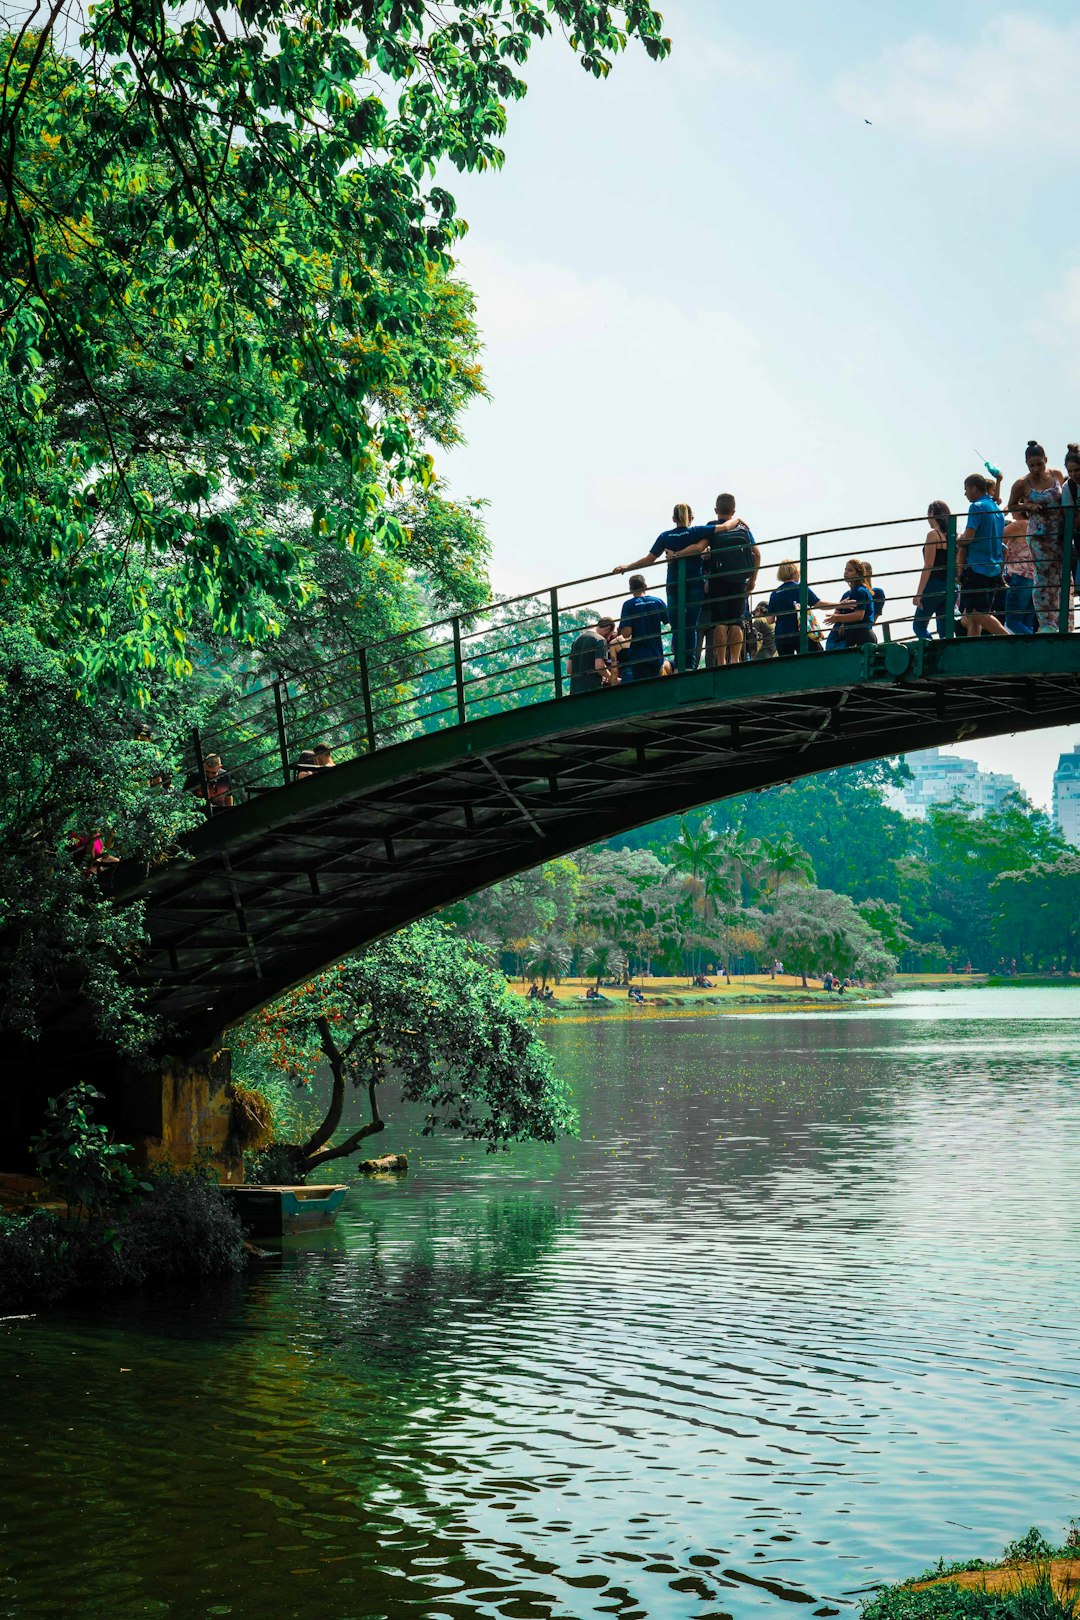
{"points": [[797, 1314]]}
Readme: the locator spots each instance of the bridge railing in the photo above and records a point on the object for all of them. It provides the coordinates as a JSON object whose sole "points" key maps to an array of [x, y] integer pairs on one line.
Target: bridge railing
{"points": [[515, 651]]}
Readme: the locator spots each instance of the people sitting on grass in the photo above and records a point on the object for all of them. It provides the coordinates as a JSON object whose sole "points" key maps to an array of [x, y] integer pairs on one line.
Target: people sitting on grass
{"points": [[636, 995]]}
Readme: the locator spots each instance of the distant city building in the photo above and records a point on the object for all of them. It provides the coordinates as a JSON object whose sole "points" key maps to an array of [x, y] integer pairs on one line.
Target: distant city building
{"points": [[937, 778], [1067, 795]]}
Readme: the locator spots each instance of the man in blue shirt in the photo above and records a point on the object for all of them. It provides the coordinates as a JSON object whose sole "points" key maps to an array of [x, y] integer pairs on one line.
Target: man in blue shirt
{"points": [[642, 618], [980, 556]]}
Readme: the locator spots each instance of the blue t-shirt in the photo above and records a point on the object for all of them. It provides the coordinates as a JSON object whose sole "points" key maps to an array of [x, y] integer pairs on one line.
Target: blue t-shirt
{"points": [[784, 602], [644, 616], [986, 548], [857, 596], [674, 540]]}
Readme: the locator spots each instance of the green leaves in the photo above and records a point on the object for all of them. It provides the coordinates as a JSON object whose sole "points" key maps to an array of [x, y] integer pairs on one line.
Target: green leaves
{"points": [[424, 1009], [219, 257]]}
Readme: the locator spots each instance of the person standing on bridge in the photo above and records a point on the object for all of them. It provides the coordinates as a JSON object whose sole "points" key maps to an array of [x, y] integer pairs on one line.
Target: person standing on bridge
{"points": [[642, 618], [587, 665], [1070, 497], [1019, 579], [685, 635], [929, 595], [784, 603], [731, 571], [219, 788], [1038, 496], [852, 618], [980, 557]]}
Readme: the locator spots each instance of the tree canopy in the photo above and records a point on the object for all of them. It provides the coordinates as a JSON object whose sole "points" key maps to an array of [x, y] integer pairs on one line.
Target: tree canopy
{"points": [[421, 1009], [222, 272]]}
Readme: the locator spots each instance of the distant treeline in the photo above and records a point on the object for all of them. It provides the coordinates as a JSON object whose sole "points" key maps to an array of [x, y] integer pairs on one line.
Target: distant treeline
{"points": [[821, 872]]}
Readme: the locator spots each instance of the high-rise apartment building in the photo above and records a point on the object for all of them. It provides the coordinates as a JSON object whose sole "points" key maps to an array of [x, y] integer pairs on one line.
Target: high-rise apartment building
{"points": [[1067, 795], [936, 778]]}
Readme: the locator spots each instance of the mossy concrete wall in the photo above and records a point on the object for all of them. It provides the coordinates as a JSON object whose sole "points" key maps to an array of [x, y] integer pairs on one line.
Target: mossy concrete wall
{"points": [[190, 1117]]}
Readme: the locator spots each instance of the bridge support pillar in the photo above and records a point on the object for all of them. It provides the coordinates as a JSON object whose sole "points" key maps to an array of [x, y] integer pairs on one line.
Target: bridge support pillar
{"points": [[182, 1114]]}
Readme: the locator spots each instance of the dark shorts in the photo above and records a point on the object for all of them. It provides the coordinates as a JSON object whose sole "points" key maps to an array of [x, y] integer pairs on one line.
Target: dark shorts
{"points": [[786, 645], [726, 600], [981, 593], [642, 669]]}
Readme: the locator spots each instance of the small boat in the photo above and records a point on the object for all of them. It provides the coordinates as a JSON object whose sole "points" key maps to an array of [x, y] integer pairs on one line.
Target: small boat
{"points": [[279, 1211]]}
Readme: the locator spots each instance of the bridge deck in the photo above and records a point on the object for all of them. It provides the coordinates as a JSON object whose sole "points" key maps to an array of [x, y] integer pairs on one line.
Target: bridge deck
{"points": [[278, 888]]}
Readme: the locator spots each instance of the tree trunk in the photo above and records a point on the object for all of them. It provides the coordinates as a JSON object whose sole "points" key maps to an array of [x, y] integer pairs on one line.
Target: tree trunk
{"points": [[315, 1151]]}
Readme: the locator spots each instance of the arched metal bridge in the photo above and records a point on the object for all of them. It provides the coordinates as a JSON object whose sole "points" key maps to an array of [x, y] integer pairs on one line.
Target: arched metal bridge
{"points": [[468, 764]]}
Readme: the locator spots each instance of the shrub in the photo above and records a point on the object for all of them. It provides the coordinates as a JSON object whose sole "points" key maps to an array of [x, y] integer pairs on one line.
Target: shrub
{"points": [[1027, 1548], [76, 1158], [946, 1602], [279, 1165], [1037, 1600], [184, 1227], [38, 1259]]}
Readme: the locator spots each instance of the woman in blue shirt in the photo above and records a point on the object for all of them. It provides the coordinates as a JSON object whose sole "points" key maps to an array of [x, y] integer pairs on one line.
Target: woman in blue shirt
{"points": [[686, 640], [784, 603], [852, 618]]}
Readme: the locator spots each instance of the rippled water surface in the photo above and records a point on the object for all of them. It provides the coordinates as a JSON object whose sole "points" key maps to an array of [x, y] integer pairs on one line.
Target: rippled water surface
{"points": [[797, 1314]]}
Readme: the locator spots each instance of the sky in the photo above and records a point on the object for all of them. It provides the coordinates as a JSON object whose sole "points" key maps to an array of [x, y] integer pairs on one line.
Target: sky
{"points": [[712, 273]]}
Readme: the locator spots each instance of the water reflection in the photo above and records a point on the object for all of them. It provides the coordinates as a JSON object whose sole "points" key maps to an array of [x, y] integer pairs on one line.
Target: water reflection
{"points": [[801, 1295]]}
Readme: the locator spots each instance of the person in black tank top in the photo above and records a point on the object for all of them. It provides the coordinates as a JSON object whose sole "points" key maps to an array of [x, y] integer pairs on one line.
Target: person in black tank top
{"points": [[929, 595]]}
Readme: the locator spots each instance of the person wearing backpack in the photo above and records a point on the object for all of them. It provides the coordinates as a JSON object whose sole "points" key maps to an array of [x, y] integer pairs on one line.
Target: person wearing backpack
{"points": [[732, 561]]}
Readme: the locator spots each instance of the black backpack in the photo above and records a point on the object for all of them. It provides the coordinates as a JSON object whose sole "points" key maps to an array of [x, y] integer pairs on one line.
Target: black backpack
{"points": [[731, 552]]}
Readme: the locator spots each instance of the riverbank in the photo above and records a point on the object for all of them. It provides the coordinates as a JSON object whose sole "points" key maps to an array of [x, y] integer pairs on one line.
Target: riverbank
{"points": [[761, 993], [1032, 1578], [671, 997]]}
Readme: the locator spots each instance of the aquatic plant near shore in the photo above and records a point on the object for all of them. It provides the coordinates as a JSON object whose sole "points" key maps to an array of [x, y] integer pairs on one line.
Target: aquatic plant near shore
{"points": [[1035, 1593]]}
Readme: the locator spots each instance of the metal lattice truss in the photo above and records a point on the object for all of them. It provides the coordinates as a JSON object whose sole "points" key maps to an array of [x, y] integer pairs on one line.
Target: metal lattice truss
{"points": [[269, 893]]}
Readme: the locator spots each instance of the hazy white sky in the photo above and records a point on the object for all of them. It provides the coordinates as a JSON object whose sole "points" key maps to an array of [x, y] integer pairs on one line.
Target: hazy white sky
{"points": [[711, 273]]}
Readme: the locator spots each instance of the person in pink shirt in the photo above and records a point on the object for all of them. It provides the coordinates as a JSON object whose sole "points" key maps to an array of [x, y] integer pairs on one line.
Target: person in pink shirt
{"points": [[1019, 578]]}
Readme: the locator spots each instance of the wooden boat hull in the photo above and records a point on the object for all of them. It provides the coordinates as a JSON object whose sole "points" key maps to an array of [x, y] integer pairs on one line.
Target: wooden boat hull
{"points": [[280, 1211]]}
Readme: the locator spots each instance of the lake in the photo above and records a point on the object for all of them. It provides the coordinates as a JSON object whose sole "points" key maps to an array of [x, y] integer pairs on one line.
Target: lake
{"points": [[796, 1315]]}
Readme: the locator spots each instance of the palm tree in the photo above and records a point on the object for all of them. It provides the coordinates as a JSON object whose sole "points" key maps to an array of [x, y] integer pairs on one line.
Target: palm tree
{"points": [[697, 853], [550, 958], [741, 856], [784, 861]]}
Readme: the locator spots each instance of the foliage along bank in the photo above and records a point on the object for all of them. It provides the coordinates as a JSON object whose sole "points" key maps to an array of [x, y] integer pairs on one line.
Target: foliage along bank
{"points": [[856, 888], [232, 345]]}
